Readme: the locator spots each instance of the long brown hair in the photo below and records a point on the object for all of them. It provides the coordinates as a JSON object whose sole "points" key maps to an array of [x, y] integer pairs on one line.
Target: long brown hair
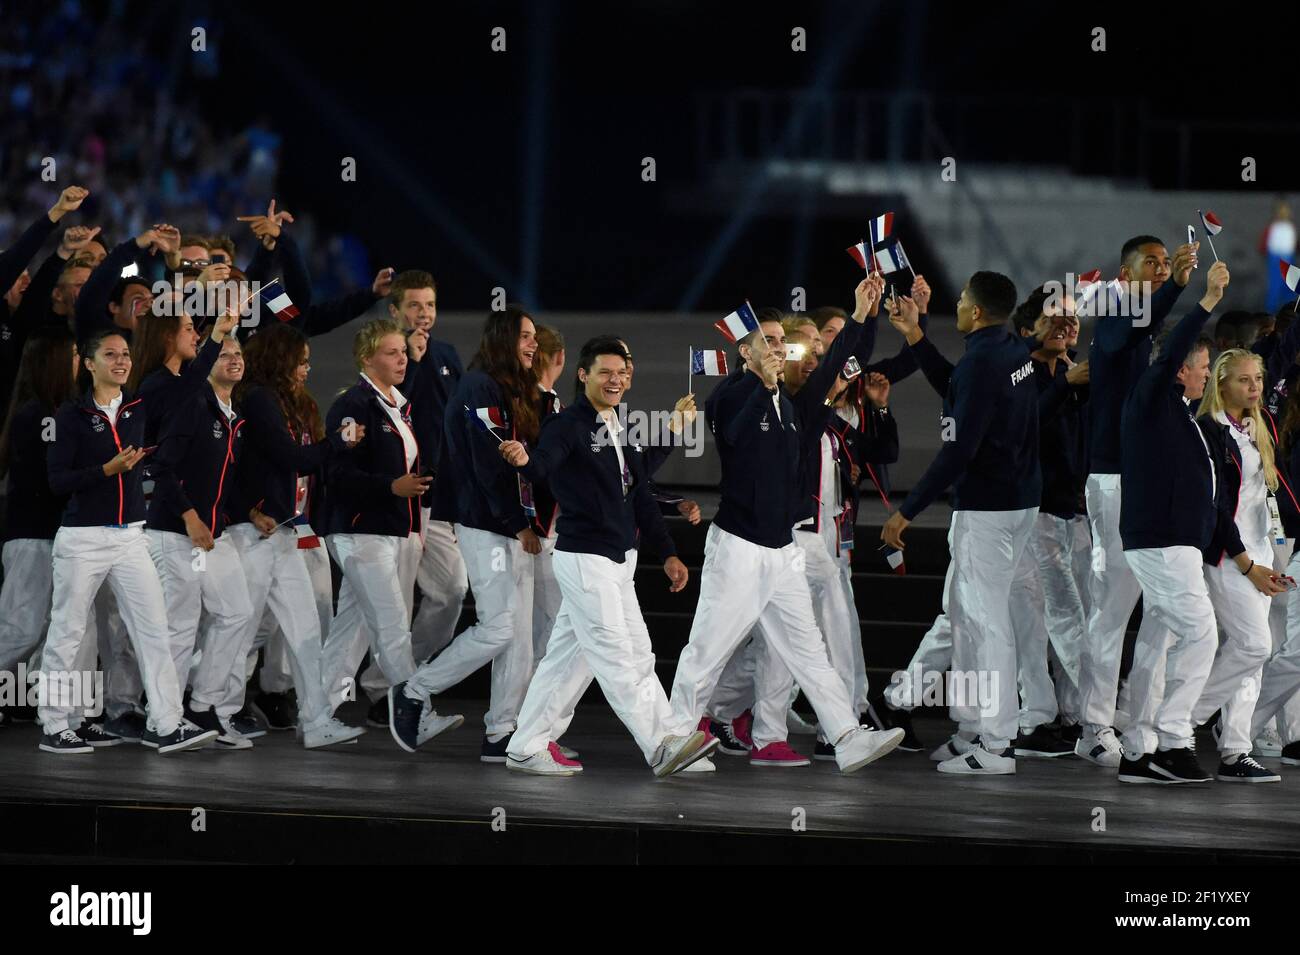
{"points": [[44, 374], [271, 360], [154, 337], [498, 357]]}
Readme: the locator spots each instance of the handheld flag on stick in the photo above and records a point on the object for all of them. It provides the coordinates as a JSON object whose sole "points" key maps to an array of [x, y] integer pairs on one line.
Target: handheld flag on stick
{"points": [[738, 324], [706, 361], [859, 254], [1291, 276], [881, 227], [277, 300], [1212, 228], [892, 258], [487, 419]]}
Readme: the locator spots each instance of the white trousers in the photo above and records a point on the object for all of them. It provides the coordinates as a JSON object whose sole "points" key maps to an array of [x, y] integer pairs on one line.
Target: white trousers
{"points": [[84, 558], [1113, 592], [276, 674], [277, 578], [1178, 643], [501, 576], [837, 619], [990, 550], [933, 655], [1279, 691], [598, 631], [1059, 548], [547, 598], [25, 599], [443, 584], [374, 609], [743, 584], [194, 580], [1234, 680]]}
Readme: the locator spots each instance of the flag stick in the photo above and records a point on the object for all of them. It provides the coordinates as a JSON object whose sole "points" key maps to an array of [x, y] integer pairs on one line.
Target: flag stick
{"points": [[1211, 241], [690, 379]]}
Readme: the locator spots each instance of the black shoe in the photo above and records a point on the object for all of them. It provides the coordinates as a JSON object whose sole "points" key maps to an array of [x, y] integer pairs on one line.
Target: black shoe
{"points": [[208, 720], [246, 723], [1042, 743], [378, 715], [902, 719], [1208, 725], [404, 718], [1291, 753], [1071, 732], [94, 733], [494, 752], [65, 743], [1246, 770], [130, 727], [185, 736], [826, 751], [1139, 771], [279, 710], [728, 743], [1179, 765]]}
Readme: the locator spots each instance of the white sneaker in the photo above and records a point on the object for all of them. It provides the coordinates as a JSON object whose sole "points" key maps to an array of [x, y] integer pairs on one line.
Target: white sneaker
{"points": [[1268, 743], [675, 752], [956, 746], [331, 734], [540, 764], [864, 746], [796, 724], [704, 765], [1101, 748], [980, 762], [431, 725], [231, 738]]}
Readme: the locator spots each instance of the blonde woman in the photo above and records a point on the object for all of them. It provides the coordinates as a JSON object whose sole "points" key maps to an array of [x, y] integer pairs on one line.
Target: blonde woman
{"points": [[1240, 441]]}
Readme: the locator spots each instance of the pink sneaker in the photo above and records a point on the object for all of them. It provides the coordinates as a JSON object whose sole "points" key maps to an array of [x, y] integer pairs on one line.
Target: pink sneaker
{"points": [[777, 754], [741, 727], [559, 757]]}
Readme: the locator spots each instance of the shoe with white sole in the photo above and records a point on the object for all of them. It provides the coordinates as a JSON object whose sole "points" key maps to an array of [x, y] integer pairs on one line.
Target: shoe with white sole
{"points": [[330, 733], [777, 754], [704, 765], [676, 752], [955, 746], [65, 743], [980, 762], [862, 746], [549, 762], [1291, 754], [1268, 743], [566, 752], [1245, 770], [431, 725], [185, 736], [94, 733], [1101, 748]]}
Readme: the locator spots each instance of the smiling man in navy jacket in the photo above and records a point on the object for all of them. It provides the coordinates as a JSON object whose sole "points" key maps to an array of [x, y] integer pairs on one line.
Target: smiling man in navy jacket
{"points": [[1120, 353], [602, 487], [990, 459], [753, 569], [1168, 518]]}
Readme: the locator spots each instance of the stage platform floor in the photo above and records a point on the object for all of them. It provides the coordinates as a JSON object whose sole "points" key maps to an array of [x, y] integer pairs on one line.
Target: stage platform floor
{"points": [[371, 802]]}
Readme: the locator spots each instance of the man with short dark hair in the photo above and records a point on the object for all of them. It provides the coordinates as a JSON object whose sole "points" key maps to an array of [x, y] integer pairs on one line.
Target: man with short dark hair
{"points": [[1169, 485], [1120, 353], [990, 458]]}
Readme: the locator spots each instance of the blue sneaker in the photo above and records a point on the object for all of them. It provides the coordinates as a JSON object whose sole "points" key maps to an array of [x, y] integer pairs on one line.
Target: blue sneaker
{"points": [[404, 717], [494, 752], [129, 727]]}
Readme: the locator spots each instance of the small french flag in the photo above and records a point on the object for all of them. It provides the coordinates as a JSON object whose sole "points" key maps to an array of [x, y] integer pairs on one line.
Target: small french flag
{"points": [[1290, 275], [892, 258], [738, 324], [894, 557], [1211, 222], [881, 227], [708, 361], [1087, 278], [277, 300], [859, 254], [489, 418]]}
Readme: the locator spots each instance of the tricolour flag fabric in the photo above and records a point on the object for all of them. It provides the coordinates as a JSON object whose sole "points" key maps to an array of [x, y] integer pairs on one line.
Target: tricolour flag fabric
{"points": [[894, 557], [1087, 278], [881, 227], [891, 257], [708, 361], [1211, 222], [277, 300], [738, 324], [1291, 276], [489, 418], [859, 254]]}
